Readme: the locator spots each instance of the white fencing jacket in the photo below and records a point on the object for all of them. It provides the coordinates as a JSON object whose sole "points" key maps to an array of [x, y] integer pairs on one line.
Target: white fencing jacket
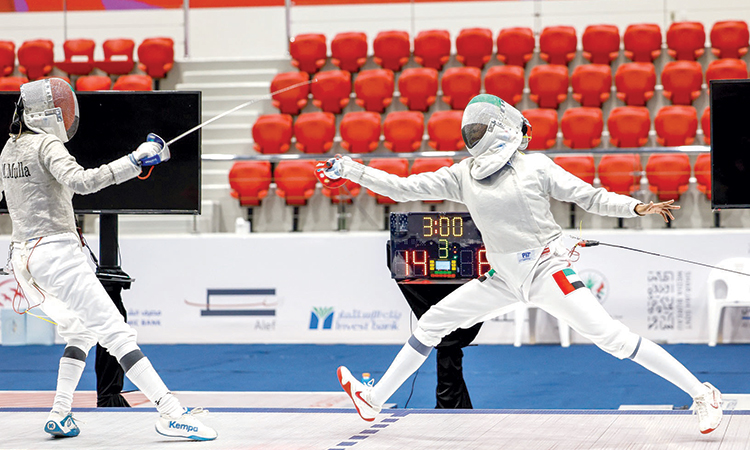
{"points": [[510, 207], [39, 178]]}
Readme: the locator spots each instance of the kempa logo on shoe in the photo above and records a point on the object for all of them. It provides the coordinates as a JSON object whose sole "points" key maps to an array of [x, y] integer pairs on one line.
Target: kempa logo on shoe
{"points": [[181, 426]]}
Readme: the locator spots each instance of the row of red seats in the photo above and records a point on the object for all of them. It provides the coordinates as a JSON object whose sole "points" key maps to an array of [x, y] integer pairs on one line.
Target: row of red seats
{"points": [[403, 131], [515, 46], [36, 58], [135, 82], [635, 84], [668, 176], [360, 132], [628, 126]]}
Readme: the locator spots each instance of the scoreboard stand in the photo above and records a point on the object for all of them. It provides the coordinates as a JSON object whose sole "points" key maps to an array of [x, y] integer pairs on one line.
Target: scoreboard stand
{"points": [[430, 255]]}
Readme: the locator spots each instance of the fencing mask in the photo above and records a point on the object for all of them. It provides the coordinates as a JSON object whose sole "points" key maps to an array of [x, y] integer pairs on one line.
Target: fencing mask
{"points": [[50, 106], [492, 131]]}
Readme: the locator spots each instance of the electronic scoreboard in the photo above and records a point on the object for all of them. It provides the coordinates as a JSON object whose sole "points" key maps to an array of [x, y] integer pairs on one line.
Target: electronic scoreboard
{"points": [[435, 246]]}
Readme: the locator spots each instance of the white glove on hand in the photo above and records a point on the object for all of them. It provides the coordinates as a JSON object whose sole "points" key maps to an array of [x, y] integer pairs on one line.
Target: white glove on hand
{"points": [[330, 172], [151, 152]]}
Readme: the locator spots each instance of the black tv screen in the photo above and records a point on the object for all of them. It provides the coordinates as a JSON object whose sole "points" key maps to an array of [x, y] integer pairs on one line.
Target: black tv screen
{"points": [[113, 124], [730, 144]]}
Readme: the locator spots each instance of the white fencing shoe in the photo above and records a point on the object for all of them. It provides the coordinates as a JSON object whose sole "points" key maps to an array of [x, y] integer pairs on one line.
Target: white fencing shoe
{"points": [[359, 393], [708, 407], [61, 425], [186, 426]]}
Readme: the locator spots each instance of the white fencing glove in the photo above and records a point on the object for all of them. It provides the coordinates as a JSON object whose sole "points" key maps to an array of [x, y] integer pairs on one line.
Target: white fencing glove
{"points": [[151, 152], [329, 172]]}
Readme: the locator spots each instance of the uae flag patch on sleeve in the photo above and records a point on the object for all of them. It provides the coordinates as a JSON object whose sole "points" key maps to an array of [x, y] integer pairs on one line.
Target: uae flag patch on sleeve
{"points": [[568, 280]]}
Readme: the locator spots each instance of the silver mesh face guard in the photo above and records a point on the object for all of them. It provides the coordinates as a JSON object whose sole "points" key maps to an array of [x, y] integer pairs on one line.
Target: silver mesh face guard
{"points": [[51, 107]]}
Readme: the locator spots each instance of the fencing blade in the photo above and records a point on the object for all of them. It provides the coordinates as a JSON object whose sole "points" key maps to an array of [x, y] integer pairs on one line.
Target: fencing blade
{"points": [[237, 108]]}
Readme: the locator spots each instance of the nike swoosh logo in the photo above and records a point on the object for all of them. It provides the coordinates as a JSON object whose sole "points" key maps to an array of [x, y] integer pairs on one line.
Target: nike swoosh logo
{"points": [[359, 396]]}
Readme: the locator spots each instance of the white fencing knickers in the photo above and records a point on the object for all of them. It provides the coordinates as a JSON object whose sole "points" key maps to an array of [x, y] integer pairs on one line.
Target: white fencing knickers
{"points": [[552, 286], [55, 274]]}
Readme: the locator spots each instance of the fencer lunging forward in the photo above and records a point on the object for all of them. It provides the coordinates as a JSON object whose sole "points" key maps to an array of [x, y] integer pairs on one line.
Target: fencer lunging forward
{"points": [[507, 194], [39, 178]]}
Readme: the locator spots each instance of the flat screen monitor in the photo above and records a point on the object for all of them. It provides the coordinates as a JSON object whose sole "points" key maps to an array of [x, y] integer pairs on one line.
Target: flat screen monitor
{"points": [[112, 125], [730, 144]]}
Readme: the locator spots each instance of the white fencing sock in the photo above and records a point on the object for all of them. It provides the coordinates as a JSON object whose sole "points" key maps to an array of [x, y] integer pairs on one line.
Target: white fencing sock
{"points": [[139, 370], [408, 360], [68, 377], [654, 358]]}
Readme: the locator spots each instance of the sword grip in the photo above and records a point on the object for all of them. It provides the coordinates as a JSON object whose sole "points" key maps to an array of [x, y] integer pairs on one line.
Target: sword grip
{"points": [[588, 243]]}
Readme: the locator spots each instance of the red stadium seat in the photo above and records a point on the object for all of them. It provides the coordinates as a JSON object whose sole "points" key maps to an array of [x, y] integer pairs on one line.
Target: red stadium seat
{"points": [[395, 166], [726, 69], [579, 165], [272, 133], [93, 83], [544, 124], [391, 49], [315, 132], [374, 89], [702, 170], [601, 43], [668, 175], [620, 173], [676, 125], [118, 56], [558, 44], [133, 83], [295, 180], [474, 47], [686, 40], [635, 83], [730, 39], [360, 131], [349, 51], [418, 88], [332, 90], [403, 131], [422, 165], [250, 181], [79, 57], [12, 84], [308, 52], [460, 85], [592, 84], [7, 58], [582, 127], [548, 85], [293, 100], [36, 58], [444, 130], [629, 126], [432, 48], [642, 42], [515, 46], [682, 81], [156, 56], [506, 82], [706, 125]]}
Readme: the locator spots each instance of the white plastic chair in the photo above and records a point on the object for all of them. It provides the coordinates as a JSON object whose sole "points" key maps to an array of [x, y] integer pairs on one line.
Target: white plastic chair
{"points": [[522, 310], [726, 289]]}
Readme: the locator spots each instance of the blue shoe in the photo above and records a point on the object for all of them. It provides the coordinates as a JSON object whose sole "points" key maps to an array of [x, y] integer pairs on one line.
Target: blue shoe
{"points": [[61, 425], [186, 426]]}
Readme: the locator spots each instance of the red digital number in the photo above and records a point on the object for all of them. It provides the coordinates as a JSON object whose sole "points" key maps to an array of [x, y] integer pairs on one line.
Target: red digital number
{"points": [[484, 265], [419, 261]]}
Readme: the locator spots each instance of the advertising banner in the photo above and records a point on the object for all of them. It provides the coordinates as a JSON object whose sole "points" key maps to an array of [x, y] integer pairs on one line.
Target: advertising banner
{"points": [[333, 288]]}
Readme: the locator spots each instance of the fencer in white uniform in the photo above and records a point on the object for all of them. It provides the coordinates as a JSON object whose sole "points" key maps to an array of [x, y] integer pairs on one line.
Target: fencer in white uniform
{"points": [[507, 194], [39, 179]]}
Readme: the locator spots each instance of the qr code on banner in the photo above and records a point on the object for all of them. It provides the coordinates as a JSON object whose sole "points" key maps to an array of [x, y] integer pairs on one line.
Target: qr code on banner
{"points": [[669, 300]]}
